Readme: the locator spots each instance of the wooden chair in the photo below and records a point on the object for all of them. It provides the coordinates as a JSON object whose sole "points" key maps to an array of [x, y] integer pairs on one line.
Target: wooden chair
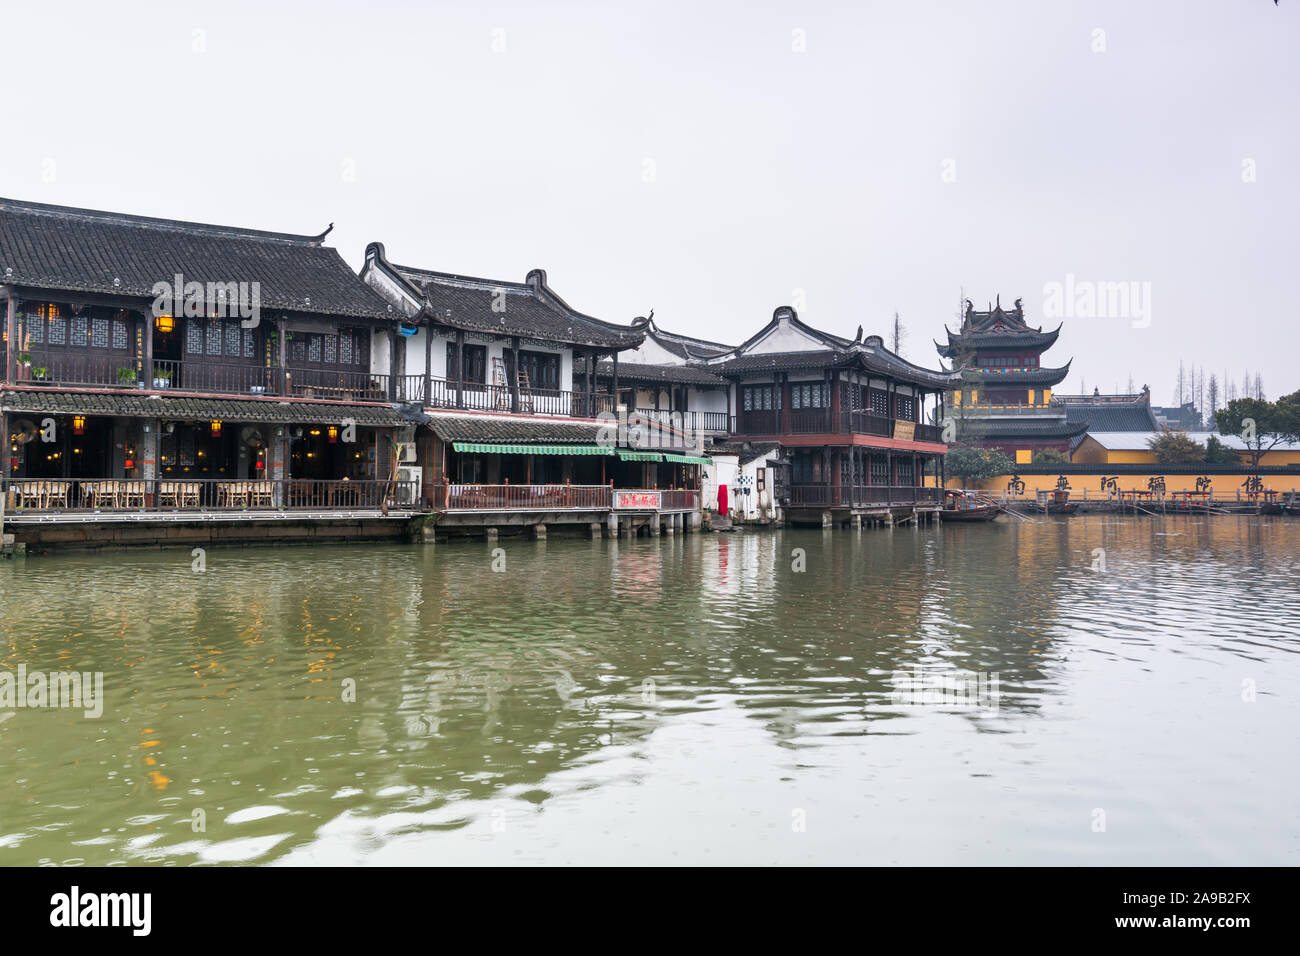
{"points": [[131, 494], [57, 494], [188, 494], [262, 492], [30, 494]]}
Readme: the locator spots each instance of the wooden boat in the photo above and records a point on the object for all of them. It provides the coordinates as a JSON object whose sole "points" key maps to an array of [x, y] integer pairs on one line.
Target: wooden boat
{"points": [[963, 507], [1059, 508], [973, 513]]}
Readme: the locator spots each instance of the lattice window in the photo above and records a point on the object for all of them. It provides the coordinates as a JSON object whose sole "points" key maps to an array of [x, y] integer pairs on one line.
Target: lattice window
{"points": [[58, 326], [314, 349], [879, 403], [234, 340], [194, 336], [120, 337], [35, 328], [214, 336], [879, 470], [80, 332], [906, 408], [331, 349], [248, 343], [345, 348], [905, 471], [99, 333]]}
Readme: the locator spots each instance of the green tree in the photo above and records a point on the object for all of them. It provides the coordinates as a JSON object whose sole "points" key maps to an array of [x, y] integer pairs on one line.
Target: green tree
{"points": [[1262, 425], [1050, 456], [1217, 453], [976, 464], [1176, 448]]}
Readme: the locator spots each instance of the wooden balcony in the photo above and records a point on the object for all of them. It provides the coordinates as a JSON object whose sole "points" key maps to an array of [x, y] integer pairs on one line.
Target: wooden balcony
{"points": [[821, 421]]}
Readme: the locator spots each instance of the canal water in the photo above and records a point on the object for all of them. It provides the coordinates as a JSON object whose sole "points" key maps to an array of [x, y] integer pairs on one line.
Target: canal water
{"points": [[1098, 690]]}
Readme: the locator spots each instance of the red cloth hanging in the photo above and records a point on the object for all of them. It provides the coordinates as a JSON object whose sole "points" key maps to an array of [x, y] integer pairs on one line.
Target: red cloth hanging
{"points": [[722, 499]]}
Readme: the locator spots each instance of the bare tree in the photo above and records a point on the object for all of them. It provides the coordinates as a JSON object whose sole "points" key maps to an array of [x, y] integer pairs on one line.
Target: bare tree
{"points": [[1259, 387], [898, 335], [1213, 396]]}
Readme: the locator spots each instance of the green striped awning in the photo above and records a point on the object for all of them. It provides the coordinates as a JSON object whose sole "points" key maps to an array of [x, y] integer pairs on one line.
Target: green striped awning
{"points": [[641, 456], [687, 459], [483, 448]]}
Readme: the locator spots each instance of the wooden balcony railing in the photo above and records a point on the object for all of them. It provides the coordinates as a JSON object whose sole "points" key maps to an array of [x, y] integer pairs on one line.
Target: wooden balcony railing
{"points": [[203, 494], [854, 495], [448, 393], [821, 421], [522, 497], [717, 422]]}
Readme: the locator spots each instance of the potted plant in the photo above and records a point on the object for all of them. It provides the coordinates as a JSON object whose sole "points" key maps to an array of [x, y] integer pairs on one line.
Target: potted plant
{"points": [[40, 374], [162, 379], [24, 366], [126, 377]]}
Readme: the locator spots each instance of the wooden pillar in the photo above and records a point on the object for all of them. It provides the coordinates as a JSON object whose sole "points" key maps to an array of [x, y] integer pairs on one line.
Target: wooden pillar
{"points": [[615, 387], [826, 470], [11, 350], [514, 373], [392, 364], [146, 373], [460, 368], [428, 365], [282, 336]]}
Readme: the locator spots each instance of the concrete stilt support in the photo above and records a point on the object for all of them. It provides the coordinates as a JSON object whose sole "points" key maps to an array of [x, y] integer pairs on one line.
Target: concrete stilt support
{"points": [[826, 519], [611, 523], [594, 529], [539, 532], [491, 534], [679, 522], [654, 525], [426, 534], [670, 524], [697, 518], [855, 522]]}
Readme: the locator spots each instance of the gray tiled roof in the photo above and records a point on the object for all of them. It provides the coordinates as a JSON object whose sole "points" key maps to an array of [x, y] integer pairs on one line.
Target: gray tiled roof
{"points": [[1052, 428], [641, 372], [1113, 418], [138, 405], [527, 309], [495, 428], [1036, 376], [66, 249]]}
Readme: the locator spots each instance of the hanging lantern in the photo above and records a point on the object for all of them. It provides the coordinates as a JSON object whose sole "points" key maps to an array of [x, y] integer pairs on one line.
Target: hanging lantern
{"points": [[216, 428], [164, 323], [334, 435], [78, 424]]}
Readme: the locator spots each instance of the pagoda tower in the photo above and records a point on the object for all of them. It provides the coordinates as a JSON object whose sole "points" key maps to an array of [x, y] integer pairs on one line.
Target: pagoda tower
{"points": [[1005, 398]]}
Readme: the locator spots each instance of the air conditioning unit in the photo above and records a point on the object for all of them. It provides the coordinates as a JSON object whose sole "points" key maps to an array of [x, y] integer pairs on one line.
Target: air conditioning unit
{"points": [[409, 483], [406, 452]]}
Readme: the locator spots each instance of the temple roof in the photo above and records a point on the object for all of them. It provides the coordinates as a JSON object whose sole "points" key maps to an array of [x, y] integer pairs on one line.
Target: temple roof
{"points": [[72, 250], [1113, 418], [1013, 377], [530, 309], [995, 328], [984, 428]]}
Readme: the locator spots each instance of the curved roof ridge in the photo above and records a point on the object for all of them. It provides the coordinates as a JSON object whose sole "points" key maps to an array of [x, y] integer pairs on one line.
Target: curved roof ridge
{"points": [[155, 222]]}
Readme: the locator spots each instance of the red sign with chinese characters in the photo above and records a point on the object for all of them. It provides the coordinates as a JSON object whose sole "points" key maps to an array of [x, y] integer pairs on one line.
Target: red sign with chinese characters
{"points": [[637, 500]]}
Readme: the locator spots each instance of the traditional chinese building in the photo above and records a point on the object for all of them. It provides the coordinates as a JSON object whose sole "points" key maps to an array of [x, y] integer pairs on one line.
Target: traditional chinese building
{"points": [[153, 365], [1004, 399]]}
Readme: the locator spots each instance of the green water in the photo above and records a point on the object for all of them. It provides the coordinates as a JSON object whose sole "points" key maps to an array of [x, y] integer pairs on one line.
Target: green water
{"points": [[683, 700]]}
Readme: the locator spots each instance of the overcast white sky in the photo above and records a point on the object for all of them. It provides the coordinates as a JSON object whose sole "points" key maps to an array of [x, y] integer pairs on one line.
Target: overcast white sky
{"points": [[773, 170]]}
